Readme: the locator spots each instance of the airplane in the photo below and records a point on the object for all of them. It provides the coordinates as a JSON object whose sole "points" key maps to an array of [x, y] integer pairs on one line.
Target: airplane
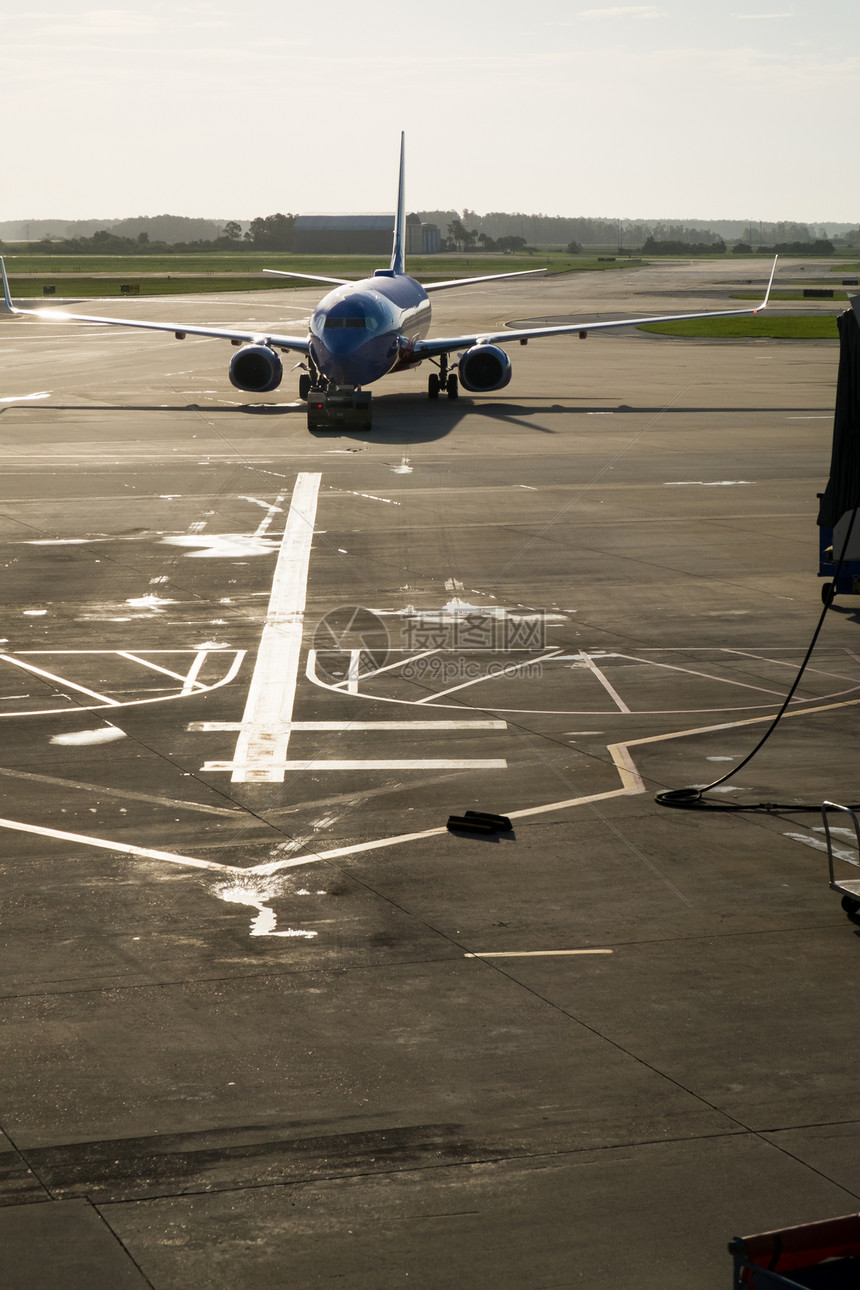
{"points": [[363, 330]]}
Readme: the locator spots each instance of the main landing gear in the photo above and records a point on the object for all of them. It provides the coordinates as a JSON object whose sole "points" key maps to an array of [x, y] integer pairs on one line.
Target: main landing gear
{"points": [[443, 380], [310, 379]]}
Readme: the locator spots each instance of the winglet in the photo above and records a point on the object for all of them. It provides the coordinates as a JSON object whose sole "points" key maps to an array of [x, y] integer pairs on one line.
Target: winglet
{"points": [[763, 304], [10, 308], [398, 257]]}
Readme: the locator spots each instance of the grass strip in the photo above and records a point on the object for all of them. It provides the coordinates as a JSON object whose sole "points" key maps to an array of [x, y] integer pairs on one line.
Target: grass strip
{"points": [[758, 327]]}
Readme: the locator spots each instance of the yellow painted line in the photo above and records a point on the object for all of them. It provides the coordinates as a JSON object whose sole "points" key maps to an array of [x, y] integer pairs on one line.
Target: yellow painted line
{"points": [[532, 954], [622, 760]]}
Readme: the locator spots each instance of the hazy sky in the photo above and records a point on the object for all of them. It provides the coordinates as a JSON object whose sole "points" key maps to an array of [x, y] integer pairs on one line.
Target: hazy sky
{"points": [[685, 108]]}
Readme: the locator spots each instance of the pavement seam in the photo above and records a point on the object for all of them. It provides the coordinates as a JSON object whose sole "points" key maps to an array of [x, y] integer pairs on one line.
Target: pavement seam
{"points": [[23, 1159], [120, 1242]]}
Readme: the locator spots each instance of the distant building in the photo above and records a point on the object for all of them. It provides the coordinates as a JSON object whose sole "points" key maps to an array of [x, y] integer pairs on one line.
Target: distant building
{"points": [[361, 235]]}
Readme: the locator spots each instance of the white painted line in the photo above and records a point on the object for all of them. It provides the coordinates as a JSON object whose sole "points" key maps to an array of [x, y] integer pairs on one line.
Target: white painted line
{"points": [[206, 726], [33, 653], [532, 954], [610, 689], [370, 497], [271, 508], [311, 670], [191, 683], [262, 744], [354, 673], [509, 669], [709, 676], [122, 848], [792, 663], [237, 655], [176, 676], [100, 790], [244, 773], [378, 844], [621, 756], [59, 680]]}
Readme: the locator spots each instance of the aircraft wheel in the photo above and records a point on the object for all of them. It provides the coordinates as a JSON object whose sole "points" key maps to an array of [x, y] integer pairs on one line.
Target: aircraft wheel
{"points": [[304, 387], [452, 385], [432, 386], [827, 592], [849, 905]]}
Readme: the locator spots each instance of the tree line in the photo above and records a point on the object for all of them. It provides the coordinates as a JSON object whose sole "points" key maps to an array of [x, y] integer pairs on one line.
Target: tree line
{"points": [[265, 233], [496, 232]]}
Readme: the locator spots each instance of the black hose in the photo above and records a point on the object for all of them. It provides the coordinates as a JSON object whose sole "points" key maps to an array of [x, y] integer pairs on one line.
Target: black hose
{"points": [[692, 797]]}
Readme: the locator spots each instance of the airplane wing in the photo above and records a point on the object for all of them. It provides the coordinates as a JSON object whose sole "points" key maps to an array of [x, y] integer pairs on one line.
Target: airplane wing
{"points": [[310, 277], [445, 344], [470, 282], [180, 330], [427, 286]]}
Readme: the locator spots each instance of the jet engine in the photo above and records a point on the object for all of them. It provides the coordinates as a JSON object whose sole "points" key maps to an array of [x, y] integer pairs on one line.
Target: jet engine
{"points": [[256, 368], [483, 368]]}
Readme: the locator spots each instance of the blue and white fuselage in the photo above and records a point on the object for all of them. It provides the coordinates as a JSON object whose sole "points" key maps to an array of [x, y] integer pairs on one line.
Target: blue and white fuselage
{"points": [[363, 330]]}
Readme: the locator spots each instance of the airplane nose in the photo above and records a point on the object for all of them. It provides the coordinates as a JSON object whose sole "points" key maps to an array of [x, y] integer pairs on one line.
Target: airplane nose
{"points": [[358, 364]]}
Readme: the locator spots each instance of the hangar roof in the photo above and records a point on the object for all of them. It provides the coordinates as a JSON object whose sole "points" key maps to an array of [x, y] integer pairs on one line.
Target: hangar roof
{"points": [[346, 222]]}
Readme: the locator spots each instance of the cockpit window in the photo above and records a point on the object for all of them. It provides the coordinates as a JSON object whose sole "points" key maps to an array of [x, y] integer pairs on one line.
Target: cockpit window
{"points": [[359, 323], [357, 313]]}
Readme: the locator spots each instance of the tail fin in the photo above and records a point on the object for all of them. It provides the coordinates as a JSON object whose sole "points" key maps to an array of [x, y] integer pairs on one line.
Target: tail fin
{"points": [[398, 255]]}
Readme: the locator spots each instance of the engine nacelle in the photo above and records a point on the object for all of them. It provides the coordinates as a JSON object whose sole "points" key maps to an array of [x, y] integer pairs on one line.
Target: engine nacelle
{"points": [[483, 368], [256, 368]]}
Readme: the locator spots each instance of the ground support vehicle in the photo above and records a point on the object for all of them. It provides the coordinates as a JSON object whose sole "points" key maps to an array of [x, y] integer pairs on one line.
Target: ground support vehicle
{"points": [[846, 887], [821, 1256]]}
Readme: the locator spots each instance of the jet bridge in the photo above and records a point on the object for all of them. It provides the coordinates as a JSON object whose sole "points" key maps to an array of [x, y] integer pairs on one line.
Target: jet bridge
{"points": [[838, 522]]}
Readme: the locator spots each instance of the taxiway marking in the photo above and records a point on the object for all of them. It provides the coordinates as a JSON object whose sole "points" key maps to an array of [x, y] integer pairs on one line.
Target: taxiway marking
{"points": [[631, 783], [190, 684], [272, 510], [605, 682], [354, 671], [260, 754], [261, 748], [188, 680], [245, 774], [508, 670], [532, 954], [59, 680], [311, 670], [123, 848], [488, 724], [124, 794]]}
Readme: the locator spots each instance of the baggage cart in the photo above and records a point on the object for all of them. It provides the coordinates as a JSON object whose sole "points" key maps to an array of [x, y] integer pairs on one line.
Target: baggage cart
{"points": [[844, 579], [819, 1256], [845, 886]]}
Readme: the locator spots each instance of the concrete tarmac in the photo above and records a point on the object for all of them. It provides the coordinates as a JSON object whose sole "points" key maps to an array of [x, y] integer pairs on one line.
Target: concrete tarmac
{"points": [[266, 1021]]}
